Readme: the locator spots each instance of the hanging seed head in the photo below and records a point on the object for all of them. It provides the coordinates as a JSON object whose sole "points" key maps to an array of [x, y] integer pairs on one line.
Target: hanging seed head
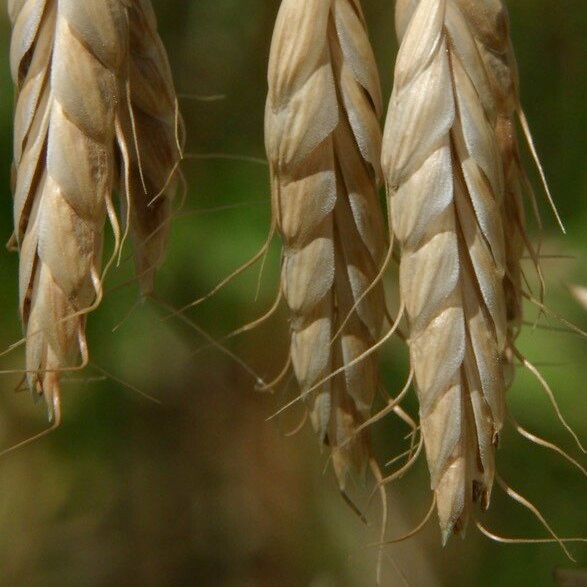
{"points": [[69, 62], [490, 30], [66, 58], [153, 131], [444, 175], [323, 144]]}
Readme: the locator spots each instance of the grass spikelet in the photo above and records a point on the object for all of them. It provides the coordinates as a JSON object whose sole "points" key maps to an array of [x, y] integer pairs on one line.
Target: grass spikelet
{"points": [[445, 183], [154, 133], [498, 78], [323, 145], [65, 59], [70, 63], [491, 55]]}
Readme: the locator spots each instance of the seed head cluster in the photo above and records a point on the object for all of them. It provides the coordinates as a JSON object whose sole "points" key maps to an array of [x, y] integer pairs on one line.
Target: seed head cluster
{"points": [[97, 117], [95, 114], [323, 144]]}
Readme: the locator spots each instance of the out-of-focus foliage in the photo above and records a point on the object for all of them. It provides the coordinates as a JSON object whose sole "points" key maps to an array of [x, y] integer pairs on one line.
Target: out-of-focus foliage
{"points": [[201, 490]]}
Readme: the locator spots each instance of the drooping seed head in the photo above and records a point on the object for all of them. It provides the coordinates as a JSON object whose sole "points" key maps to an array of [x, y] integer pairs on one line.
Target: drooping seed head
{"points": [[71, 63], [323, 144], [444, 175]]}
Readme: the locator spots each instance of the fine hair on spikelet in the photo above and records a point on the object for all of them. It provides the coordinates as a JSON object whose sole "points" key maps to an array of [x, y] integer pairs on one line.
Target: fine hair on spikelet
{"points": [[323, 143]]}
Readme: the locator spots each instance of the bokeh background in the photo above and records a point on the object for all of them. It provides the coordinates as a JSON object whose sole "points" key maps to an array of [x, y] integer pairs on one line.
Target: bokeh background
{"points": [[201, 490]]}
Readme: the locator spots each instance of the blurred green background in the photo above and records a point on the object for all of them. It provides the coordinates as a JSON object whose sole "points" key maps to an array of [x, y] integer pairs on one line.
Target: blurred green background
{"points": [[201, 490]]}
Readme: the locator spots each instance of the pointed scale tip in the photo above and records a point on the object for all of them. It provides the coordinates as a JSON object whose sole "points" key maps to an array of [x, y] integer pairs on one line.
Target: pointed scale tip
{"points": [[446, 534], [456, 528]]}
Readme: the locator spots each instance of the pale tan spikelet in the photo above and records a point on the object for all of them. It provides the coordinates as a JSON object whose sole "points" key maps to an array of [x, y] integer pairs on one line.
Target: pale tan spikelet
{"points": [[323, 144], [65, 59], [153, 134], [489, 54], [445, 182], [94, 90], [498, 76]]}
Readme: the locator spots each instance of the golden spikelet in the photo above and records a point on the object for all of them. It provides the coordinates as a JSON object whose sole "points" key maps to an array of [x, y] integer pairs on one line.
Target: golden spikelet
{"points": [[445, 182], [323, 145], [66, 57], [70, 61]]}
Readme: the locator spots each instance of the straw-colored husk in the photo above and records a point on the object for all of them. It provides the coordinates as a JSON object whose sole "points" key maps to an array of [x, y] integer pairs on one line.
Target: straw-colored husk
{"points": [[489, 25], [323, 145], [70, 63], [66, 57], [445, 181]]}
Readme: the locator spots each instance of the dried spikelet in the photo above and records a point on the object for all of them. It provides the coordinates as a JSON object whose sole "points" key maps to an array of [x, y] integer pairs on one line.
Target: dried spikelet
{"points": [[66, 57], [445, 181], [323, 144], [492, 58], [70, 61], [491, 30], [154, 133]]}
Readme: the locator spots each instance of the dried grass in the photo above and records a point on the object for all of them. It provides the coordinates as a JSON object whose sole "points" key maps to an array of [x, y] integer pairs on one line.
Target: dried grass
{"points": [[77, 67], [323, 145], [498, 78], [156, 135], [445, 181]]}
